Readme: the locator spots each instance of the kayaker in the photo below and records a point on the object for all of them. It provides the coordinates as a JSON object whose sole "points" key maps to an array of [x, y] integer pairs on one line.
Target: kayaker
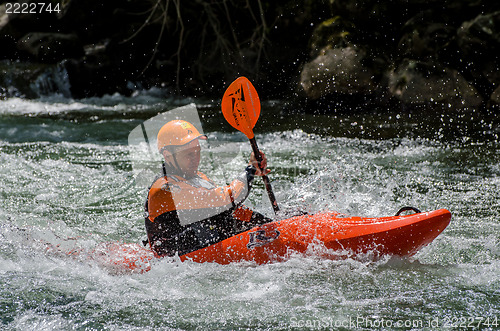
{"points": [[185, 210]]}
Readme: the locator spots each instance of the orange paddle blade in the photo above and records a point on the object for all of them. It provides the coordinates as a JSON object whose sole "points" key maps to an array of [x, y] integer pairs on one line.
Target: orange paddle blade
{"points": [[241, 106]]}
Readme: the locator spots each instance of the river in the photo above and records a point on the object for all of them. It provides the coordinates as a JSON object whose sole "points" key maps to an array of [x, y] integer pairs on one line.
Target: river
{"points": [[65, 172]]}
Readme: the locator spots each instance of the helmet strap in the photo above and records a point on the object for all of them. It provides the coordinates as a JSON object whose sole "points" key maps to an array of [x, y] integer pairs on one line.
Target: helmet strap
{"points": [[164, 169]]}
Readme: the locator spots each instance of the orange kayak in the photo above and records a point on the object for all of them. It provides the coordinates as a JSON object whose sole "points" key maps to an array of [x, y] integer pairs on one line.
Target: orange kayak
{"points": [[328, 235]]}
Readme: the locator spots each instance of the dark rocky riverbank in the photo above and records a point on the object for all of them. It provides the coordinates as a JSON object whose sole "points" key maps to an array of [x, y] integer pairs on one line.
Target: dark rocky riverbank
{"points": [[366, 53]]}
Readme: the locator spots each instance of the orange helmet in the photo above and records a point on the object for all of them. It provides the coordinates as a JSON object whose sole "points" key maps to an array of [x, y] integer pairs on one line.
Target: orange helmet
{"points": [[177, 133]]}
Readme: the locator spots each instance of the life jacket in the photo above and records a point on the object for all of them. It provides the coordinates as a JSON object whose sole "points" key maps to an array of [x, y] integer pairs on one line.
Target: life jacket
{"points": [[183, 215]]}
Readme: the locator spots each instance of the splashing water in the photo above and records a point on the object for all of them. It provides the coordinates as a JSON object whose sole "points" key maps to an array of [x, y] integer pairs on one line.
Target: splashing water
{"points": [[65, 173]]}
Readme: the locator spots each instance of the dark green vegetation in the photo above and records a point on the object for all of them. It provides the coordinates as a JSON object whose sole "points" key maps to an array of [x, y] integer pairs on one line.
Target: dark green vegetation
{"points": [[364, 53]]}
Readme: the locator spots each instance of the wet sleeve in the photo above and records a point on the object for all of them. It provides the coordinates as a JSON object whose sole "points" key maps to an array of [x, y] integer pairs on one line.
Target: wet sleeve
{"points": [[240, 193]]}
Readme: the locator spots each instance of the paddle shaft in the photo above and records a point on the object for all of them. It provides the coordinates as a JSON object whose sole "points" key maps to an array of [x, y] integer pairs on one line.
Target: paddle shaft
{"points": [[267, 183]]}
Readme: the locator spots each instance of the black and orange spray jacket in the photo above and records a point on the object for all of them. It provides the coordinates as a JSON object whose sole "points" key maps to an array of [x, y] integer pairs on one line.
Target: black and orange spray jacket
{"points": [[183, 215]]}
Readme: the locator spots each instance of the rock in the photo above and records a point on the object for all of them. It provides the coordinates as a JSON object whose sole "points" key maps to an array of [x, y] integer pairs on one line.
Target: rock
{"points": [[420, 83], [332, 33], [95, 76], [338, 70], [32, 80], [479, 41], [495, 96], [423, 31], [51, 47], [426, 40]]}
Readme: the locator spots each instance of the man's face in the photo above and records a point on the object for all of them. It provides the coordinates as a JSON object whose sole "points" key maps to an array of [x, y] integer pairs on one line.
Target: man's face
{"points": [[188, 158]]}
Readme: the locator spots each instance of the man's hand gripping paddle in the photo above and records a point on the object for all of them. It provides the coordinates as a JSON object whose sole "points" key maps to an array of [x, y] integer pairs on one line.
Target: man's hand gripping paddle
{"points": [[241, 109]]}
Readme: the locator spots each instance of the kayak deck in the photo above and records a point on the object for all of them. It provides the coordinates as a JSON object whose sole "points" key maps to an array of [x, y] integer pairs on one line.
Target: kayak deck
{"points": [[275, 241]]}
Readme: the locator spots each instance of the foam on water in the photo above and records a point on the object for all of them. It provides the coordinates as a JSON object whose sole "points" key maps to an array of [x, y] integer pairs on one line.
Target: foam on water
{"points": [[116, 103]]}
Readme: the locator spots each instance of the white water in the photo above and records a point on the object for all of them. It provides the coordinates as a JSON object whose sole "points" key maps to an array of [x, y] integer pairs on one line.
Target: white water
{"points": [[64, 172]]}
